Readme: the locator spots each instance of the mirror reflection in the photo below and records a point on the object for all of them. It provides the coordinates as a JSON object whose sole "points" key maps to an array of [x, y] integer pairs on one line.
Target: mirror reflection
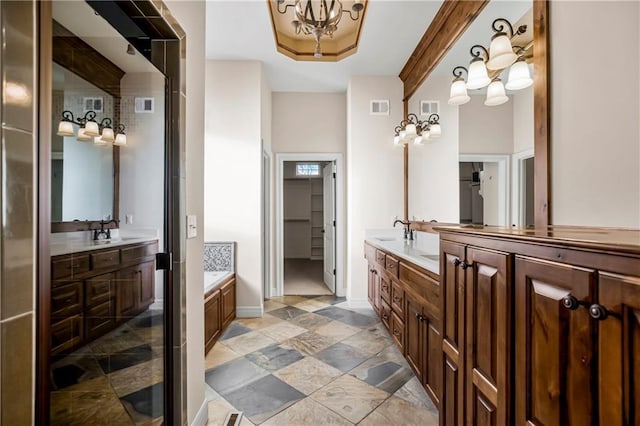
{"points": [[81, 170], [480, 171]]}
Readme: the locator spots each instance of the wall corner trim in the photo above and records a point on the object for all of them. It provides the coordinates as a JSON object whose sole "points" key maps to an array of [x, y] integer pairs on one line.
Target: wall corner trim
{"points": [[358, 303]]}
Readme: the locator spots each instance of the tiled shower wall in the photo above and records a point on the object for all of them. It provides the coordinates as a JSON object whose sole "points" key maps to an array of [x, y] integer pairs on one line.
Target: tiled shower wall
{"points": [[17, 212]]}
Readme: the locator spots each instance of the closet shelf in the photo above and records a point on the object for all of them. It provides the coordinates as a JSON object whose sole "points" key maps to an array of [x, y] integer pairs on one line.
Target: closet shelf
{"points": [[297, 219]]}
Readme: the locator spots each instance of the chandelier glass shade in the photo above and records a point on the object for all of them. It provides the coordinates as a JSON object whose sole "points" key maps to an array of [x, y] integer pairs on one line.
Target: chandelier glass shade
{"points": [[519, 75], [496, 94], [88, 129], [318, 18], [413, 130]]}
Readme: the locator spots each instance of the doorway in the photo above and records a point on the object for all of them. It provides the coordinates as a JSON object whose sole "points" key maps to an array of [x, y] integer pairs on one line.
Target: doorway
{"points": [[484, 189], [309, 233], [523, 189]]}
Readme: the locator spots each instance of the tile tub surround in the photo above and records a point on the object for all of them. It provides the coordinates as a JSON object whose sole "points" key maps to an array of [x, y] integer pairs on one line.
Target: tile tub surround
{"points": [[219, 256], [332, 365], [114, 379]]}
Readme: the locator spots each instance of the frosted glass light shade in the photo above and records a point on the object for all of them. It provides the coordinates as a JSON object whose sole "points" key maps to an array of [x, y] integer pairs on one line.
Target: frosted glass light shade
{"points": [[496, 94], [435, 131], [121, 139], [403, 134], [91, 128], [396, 140], [65, 128], [500, 52], [98, 141], [107, 134], [458, 94], [478, 77], [519, 76], [417, 140], [82, 136], [410, 130]]}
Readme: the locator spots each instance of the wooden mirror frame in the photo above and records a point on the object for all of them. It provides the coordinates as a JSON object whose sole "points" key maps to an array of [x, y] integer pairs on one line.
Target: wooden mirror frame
{"points": [[451, 21], [73, 54]]}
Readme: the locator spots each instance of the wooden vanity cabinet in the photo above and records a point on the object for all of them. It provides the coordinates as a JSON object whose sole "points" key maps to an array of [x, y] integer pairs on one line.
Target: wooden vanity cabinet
{"points": [[93, 292], [219, 311]]}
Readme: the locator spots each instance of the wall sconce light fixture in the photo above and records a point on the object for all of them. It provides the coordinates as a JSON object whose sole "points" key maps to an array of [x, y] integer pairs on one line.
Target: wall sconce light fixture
{"points": [[88, 129], [413, 130], [319, 17]]}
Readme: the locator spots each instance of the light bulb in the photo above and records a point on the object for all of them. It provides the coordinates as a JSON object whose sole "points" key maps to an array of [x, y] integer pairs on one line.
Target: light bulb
{"points": [[417, 140], [396, 140], [65, 128], [458, 94], [410, 130]]}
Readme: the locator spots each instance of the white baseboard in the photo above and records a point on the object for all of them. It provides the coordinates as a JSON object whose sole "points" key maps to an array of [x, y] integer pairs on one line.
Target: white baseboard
{"points": [[358, 303], [202, 417], [249, 311]]}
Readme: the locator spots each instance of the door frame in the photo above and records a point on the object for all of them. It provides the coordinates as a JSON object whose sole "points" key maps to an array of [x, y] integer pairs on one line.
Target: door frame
{"points": [[503, 161], [266, 223], [517, 181], [340, 214]]}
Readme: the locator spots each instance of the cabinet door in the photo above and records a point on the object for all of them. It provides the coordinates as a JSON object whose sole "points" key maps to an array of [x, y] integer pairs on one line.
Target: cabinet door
{"points": [[212, 320], [554, 344], [452, 307], [374, 288], [488, 337], [128, 284], [619, 350], [146, 295], [413, 326], [228, 296]]}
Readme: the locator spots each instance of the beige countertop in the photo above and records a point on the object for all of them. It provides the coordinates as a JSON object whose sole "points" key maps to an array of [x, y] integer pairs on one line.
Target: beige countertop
{"points": [[77, 242]]}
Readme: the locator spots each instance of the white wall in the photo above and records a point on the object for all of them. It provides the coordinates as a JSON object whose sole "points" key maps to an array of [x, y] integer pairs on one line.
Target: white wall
{"points": [[142, 159], [434, 191], [490, 194], [595, 138], [374, 171], [190, 15], [485, 129], [523, 119], [309, 122], [233, 176]]}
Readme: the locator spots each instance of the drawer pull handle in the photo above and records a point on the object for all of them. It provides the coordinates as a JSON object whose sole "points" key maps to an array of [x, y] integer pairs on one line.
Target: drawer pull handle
{"points": [[396, 299], [385, 316], [598, 312]]}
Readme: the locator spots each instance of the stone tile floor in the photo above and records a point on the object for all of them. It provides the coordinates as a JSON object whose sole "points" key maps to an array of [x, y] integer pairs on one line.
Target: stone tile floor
{"points": [[115, 380], [310, 360]]}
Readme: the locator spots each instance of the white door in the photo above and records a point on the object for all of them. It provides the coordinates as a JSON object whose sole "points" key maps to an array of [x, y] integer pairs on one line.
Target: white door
{"points": [[329, 228]]}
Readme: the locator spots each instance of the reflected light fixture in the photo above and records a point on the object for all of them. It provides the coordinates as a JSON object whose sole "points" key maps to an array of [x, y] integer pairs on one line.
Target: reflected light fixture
{"points": [[458, 94], [318, 17], [519, 75], [501, 53], [413, 130], [496, 94], [477, 76], [88, 128]]}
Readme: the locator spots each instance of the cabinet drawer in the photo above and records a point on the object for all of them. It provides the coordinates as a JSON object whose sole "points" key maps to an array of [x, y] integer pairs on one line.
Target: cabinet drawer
{"points": [[69, 266], [66, 300], [397, 299], [105, 259], [98, 289], [385, 288], [423, 286], [385, 314], [380, 257], [99, 319], [397, 331], [66, 334], [133, 253], [391, 265]]}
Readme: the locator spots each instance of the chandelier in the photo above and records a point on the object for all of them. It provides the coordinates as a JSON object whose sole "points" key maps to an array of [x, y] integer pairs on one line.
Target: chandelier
{"points": [[319, 17], [88, 129], [413, 130]]}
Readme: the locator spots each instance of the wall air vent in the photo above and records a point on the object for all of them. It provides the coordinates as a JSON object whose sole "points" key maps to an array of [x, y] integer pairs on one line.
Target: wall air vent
{"points": [[144, 105], [379, 107], [429, 107]]}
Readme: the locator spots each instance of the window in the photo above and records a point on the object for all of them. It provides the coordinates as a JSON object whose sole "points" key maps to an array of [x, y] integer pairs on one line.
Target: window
{"points": [[306, 169]]}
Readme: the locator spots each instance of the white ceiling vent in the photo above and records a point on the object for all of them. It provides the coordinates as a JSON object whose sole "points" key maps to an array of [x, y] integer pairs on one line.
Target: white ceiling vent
{"points": [[144, 105], [429, 107], [379, 107]]}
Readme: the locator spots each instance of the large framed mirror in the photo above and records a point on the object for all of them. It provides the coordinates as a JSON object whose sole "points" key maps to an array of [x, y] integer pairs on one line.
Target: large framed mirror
{"points": [[84, 174], [489, 167]]}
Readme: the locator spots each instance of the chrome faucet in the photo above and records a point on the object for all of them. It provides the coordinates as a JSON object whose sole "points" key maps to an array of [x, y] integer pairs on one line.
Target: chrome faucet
{"points": [[103, 234], [408, 232]]}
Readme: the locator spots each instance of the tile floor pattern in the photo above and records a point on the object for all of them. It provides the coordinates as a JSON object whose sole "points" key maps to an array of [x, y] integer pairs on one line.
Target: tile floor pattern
{"points": [[310, 360], [114, 380]]}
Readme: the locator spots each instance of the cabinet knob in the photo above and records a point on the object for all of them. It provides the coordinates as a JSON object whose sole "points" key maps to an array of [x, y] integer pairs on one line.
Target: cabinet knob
{"points": [[456, 262], [598, 312], [464, 265], [570, 302], [420, 317]]}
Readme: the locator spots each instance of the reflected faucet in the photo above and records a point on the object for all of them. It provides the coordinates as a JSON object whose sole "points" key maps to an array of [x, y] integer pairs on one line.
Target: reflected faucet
{"points": [[408, 232], [103, 234]]}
